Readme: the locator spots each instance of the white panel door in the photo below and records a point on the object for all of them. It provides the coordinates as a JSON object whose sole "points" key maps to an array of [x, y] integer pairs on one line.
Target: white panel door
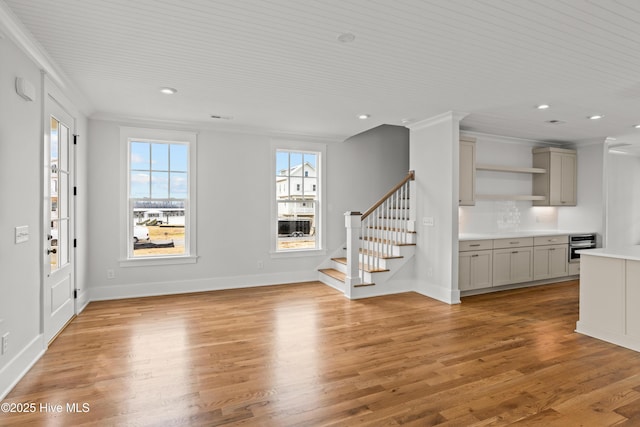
{"points": [[58, 283]]}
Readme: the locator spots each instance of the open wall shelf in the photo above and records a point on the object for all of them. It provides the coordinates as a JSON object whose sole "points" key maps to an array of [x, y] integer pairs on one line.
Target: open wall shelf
{"points": [[499, 168]]}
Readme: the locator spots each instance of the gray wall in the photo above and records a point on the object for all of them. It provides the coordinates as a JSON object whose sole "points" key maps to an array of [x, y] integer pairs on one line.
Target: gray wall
{"points": [[233, 180]]}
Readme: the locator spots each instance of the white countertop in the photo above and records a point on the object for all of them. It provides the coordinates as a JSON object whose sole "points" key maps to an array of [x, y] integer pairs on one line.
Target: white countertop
{"points": [[626, 252], [515, 234]]}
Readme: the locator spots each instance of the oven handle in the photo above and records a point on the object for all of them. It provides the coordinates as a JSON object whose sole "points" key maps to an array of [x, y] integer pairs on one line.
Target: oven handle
{"points": [[582, 245]]}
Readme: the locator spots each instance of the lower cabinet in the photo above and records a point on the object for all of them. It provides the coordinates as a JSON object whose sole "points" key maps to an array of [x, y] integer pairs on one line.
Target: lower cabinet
{"points": [[490, 263], [512, 265], [550, 261], [475, 270]]}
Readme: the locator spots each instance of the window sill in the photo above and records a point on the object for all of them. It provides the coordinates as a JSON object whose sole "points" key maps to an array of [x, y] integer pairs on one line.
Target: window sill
{"points": [[298, 253], [153, 261]]}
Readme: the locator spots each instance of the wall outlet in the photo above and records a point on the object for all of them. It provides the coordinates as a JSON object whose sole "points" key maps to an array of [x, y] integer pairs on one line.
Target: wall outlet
{"points": [[429, 272], [4, 346], [110, 273], [260, 264]]}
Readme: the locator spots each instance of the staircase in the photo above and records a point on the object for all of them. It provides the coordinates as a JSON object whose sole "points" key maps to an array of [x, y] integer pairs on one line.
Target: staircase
{"points": [[379, 243]]}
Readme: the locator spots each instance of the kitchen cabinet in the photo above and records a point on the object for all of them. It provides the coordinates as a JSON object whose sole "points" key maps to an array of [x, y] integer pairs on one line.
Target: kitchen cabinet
{"points": [[550, 261], [467, 171], [610, 295], [550, 257], [475, 269], [559, 184], [513, 265]]}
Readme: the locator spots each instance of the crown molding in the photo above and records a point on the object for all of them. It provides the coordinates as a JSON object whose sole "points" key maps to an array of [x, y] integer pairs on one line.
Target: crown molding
{"points": [[12, 28], [187, 125]]}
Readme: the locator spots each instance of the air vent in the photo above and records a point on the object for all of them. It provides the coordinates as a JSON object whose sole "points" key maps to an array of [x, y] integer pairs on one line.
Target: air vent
{"points": [[555, 122]]}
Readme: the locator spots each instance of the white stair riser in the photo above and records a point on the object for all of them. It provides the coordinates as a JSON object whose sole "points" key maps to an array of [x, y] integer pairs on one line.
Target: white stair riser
{"points": [[408, 238], [392, 223], [334, 283]]}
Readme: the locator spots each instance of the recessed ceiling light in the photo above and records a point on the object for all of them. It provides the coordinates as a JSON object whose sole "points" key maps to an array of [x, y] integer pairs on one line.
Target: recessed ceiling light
{"points": [[168, 90], [364, 116], [637, 126], [595, 117], [346, 37], [542, 106]]}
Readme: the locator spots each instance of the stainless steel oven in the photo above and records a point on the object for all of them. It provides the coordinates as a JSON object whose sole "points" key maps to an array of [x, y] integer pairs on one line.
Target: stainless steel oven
{"points": [[580, 241]]}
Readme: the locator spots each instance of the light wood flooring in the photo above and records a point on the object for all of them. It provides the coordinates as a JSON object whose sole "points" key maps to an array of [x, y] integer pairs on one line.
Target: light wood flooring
{"points": [[303, 355]]}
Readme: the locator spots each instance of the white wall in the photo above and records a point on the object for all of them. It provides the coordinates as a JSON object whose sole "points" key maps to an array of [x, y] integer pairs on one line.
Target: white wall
{"points": [[489, 216], [233, 209], [434, 156], [20, 175], [21, 160], [505, 216], [587, 216], [623, 200]]}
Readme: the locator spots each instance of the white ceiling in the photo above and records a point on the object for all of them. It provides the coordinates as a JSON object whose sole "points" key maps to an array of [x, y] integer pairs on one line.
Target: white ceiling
{"points": [[276, 65]]}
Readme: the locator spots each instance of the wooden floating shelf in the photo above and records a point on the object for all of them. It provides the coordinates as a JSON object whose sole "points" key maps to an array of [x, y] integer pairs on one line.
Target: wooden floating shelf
{"points": [[516, 197], [498, 168]]}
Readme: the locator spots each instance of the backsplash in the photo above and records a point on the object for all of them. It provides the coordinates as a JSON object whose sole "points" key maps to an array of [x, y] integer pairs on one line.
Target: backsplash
{"points": [[506, 216]]}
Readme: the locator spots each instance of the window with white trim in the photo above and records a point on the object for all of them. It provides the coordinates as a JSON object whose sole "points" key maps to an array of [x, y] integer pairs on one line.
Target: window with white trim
{"points": [[297, 213], [160, 204]]}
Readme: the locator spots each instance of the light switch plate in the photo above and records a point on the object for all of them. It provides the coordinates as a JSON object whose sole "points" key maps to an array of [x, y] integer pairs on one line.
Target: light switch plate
{"points": [[427, 221], [22, 234]]}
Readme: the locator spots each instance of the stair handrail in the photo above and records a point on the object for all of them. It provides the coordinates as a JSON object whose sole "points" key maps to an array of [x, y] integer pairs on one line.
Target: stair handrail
{"points": [[371, 237], [409, 177]]}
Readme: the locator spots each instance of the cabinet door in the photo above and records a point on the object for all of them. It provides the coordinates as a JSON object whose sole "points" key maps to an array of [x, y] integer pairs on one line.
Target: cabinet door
{"points": [[559, 260], [467, 173], [541, 263], [475, 270], [501, 267], [522, 265], [568, 185], [562, 185], [464, 270]]}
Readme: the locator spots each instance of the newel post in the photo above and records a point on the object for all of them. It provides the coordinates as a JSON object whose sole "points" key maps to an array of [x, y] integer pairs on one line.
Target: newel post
{"points": [[353, 223]]}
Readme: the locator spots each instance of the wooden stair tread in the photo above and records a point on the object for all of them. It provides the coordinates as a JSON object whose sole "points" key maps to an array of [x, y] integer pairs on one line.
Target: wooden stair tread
{"points": [[364, 267], [338, 275], [390, 242], [332, 272], [378, 227]]}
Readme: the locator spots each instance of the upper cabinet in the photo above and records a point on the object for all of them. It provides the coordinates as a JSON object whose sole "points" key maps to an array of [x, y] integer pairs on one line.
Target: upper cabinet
{"points": [[467, 196], [558, 184]]}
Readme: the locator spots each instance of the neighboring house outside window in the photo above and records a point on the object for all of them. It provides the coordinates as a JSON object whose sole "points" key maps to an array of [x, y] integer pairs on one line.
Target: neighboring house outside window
{"points": [[297, 214]]}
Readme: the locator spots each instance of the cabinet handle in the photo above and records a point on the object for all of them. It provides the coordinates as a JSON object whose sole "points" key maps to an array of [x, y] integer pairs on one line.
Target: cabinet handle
{"points": [[473, 256], [552, 249], [514, 252], [477, 244], [513, 243]]}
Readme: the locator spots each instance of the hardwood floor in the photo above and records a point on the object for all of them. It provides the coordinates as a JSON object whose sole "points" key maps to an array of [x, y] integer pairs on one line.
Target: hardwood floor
{"points": [[303, 355]]}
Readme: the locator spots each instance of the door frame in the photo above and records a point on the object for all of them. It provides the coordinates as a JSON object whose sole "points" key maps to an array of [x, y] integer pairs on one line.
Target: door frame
{"points": [[51, 93]]}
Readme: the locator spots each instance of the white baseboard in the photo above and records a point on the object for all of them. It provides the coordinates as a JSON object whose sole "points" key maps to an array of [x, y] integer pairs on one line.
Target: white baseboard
{"points": [[20, 365], [448, 295], [136, 290]]}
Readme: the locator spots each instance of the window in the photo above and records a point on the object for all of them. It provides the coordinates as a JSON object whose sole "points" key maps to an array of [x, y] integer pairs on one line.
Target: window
{"points": [[159, 222], [297, 220]]}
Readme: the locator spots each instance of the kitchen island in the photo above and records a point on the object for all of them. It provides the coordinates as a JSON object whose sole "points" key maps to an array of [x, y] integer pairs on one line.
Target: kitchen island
{"points": [[610, 295]]}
